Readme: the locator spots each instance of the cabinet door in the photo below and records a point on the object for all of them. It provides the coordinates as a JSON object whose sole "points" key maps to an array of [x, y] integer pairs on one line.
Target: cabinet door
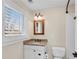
{"points": [[13, 51], [33, 52], [39, 54], [28, 52]]}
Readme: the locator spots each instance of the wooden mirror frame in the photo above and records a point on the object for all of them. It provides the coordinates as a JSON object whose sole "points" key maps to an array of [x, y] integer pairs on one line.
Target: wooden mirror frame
{"points": [[42, 27]]}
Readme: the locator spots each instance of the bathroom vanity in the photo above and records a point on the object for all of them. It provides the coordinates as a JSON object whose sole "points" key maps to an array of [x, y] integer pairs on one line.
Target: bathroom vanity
{"points": [[35, 49]]}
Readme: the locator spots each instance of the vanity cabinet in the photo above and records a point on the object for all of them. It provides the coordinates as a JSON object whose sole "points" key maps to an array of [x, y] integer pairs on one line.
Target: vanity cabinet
{"points": [[34, 52], [13, 51]]}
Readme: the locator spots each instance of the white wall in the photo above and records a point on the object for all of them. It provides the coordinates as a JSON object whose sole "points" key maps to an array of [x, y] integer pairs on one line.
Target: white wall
{"points": [[13, 51], [12, 45], [54, 28]]}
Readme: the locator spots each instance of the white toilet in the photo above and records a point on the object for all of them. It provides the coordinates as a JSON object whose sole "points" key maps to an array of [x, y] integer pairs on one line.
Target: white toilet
{"points": [[58, 52]]}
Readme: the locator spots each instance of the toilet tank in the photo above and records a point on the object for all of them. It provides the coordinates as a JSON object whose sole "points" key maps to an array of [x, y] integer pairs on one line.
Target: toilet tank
{"points": [[58, 51]]}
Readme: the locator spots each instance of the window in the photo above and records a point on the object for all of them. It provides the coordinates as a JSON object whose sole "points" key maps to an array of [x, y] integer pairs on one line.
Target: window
{"points": [[13, 21]]}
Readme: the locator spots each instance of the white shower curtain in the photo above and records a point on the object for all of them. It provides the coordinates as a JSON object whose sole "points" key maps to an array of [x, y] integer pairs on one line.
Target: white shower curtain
{"points": [[70, 36]]}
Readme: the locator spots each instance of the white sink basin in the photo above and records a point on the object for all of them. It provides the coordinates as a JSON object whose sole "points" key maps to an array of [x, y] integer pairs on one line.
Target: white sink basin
{"points": [[35, 43]]}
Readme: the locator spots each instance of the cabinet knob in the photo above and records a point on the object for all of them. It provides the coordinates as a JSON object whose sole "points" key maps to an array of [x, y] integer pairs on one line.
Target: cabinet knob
{"points": [[34, 50], [39, 54]]}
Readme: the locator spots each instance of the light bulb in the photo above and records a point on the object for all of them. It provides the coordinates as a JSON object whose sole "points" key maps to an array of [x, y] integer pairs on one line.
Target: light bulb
{"points": [[35, 18], [42, 17]]}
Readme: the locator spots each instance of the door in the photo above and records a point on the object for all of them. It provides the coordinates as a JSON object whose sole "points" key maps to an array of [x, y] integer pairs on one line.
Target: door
{"points": [[70, 36]]}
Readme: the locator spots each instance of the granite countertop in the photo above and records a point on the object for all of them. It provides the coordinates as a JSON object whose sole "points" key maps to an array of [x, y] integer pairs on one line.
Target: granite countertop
{"points": [[38, 42]]}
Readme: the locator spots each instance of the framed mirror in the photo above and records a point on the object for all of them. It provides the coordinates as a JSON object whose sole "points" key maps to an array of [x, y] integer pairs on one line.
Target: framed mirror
{"points": [[39, 27]]}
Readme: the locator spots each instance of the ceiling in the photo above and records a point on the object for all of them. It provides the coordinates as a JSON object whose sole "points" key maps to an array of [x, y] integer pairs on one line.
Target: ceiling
{"points": [[44, 4]]}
